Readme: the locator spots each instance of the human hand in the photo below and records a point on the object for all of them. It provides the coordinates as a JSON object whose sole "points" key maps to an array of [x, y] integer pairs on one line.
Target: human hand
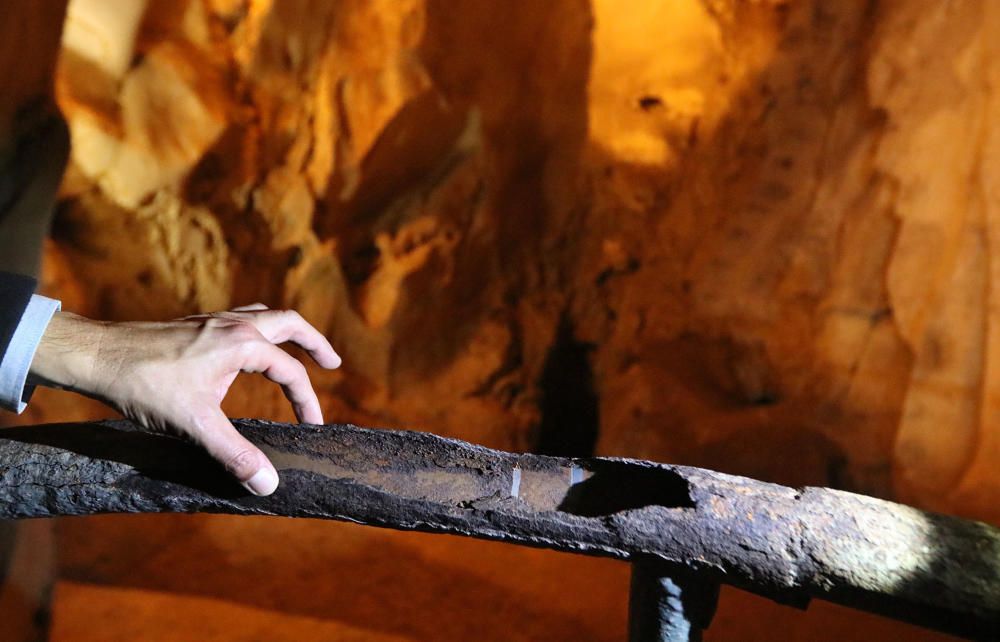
{"points": [[171, 377]]}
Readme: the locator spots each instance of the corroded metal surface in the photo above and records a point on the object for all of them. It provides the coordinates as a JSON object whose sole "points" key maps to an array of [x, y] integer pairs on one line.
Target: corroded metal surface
{"points": [[789, 544]]}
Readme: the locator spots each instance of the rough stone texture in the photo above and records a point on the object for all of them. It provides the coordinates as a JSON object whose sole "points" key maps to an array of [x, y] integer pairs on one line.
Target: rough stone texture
{"points": [[790, 544], [764, 225]]}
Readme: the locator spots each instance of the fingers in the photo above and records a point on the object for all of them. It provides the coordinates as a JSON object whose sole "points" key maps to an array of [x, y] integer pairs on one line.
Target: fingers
{"points": [[253, 307], [287, 371], [241, 458], [279, 326]]}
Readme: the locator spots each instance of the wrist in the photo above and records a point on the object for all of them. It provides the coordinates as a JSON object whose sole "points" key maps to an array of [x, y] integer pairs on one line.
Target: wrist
{"points": [[67, 354]]}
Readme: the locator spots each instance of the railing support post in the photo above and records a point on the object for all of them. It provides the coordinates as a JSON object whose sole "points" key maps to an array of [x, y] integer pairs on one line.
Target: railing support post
{"points": [[669, 604]]}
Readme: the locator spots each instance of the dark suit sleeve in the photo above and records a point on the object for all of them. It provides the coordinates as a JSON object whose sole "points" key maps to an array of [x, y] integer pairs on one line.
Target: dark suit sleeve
{"points": [[15, 293]]}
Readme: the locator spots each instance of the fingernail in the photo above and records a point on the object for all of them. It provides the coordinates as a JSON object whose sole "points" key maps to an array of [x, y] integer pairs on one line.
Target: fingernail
{"points": [[263, 482], [336, 361]]}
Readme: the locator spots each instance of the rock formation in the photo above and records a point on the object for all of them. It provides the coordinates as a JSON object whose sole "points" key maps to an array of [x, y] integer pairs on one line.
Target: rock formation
{"points": [[752, 236], [763, 226]]}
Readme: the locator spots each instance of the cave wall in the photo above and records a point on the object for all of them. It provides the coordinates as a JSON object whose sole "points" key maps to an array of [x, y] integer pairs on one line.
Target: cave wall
{"points": [[749, 235], [765, 227]]}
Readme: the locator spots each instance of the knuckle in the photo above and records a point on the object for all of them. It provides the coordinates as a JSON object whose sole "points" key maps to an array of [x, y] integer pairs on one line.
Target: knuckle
{"points": [[293, 316], [243, 464], [214, 321], [243, 332], [299, 369]]}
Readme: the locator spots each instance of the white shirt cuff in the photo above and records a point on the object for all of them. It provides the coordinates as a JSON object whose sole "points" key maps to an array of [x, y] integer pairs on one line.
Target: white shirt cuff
{"points": [[16, 362]]}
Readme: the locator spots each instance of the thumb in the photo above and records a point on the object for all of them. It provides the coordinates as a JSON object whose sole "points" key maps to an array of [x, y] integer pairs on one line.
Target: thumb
{"points": [[241, 458]]}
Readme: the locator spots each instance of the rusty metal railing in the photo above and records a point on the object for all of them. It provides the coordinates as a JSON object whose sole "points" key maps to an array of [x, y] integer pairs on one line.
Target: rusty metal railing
{"points": [[685, 530]]}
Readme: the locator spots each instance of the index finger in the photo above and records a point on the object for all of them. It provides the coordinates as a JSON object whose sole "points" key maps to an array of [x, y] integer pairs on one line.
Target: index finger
{"points": [[287, 371], [279, 326]]}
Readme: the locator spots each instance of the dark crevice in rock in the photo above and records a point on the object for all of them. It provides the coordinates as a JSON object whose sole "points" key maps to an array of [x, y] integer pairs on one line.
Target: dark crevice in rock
{"points": [[570, 414]]}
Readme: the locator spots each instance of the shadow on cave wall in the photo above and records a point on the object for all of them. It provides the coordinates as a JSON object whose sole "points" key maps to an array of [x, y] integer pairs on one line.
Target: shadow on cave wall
{"points": [[513, 80], [570, 409], [523, 69]]}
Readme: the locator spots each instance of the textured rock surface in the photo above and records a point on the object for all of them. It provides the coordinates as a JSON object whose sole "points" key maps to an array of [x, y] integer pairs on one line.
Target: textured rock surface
{"points": [[765, 226]]}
